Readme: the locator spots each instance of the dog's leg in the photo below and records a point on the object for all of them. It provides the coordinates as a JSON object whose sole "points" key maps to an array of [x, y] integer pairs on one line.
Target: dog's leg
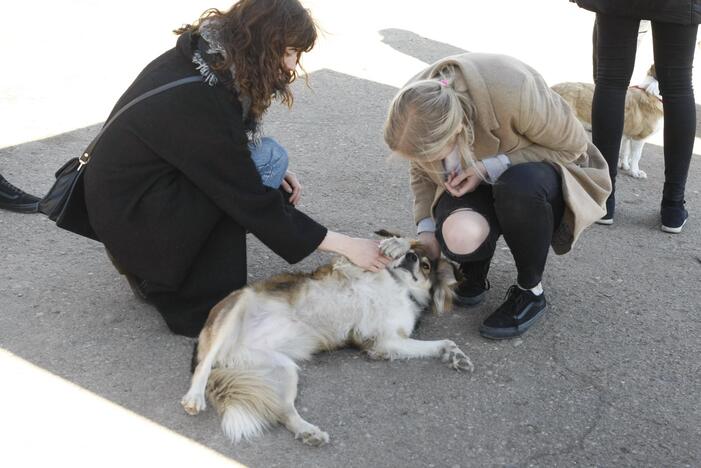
{"points": [[309, 433], [624, 155], [194, 400], [636, 153], [407, 348]]}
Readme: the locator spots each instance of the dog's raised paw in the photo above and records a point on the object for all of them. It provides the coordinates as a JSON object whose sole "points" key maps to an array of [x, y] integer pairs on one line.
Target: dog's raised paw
{"points": [[193, 404], [315, 437], [394, 247]]}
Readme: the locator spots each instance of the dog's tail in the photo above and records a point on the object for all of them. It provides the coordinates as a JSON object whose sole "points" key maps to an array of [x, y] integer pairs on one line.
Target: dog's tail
{"points": [[246, 399]]}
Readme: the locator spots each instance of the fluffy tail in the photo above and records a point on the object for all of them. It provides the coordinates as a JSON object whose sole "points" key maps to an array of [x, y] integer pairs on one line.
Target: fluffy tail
{"points": [[246, 399]]}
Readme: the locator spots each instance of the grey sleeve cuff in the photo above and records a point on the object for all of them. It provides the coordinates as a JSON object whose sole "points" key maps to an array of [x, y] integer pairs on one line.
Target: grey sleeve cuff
{"points": [[496, 166], [425, 225]]}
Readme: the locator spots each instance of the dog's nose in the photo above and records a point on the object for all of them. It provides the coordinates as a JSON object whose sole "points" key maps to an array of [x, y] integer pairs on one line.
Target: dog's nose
{"points": [[411, 257]]}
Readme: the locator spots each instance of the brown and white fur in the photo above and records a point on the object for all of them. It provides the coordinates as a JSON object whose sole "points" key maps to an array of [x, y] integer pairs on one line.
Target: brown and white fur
{"points": [[643, 114], [249, 347]]}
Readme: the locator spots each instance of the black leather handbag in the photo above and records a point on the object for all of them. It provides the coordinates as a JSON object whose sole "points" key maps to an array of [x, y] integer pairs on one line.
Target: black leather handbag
{"points": [[65, 201]]}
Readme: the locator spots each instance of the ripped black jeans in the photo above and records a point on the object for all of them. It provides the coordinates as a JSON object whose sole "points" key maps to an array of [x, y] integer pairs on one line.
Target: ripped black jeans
{"points": [[525, 206]]}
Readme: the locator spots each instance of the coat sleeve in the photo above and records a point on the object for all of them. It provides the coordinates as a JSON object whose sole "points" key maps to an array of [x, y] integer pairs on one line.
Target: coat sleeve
{"points": [[203, 137], [424, 190], [548, 123]]}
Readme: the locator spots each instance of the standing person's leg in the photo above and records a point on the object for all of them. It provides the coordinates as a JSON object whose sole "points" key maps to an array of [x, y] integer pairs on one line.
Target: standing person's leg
{"points": [[616, 46], [529, 206], [594, 43], [674, 46]]}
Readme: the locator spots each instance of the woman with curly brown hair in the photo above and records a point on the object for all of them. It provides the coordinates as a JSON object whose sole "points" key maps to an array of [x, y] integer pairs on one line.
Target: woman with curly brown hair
{"points": [[175, 182]]}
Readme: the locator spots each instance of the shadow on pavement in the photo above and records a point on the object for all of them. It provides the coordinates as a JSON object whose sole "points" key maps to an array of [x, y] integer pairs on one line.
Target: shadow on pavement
{"points": [[422, 48]]}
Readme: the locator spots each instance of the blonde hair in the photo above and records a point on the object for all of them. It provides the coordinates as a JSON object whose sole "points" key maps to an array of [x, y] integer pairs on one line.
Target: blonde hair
{"points": [[426, 115]]}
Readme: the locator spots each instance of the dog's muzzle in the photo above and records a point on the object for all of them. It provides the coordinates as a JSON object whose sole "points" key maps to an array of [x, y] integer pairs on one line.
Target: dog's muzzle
{"points": [[409, 261]]}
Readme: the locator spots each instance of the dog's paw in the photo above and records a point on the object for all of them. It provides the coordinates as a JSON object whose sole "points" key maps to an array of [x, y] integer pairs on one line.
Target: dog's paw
{"points": [[394, 247], [456, 359], [314, 437], [193, 404], [639, 174], [624, 165], [376, 355]]}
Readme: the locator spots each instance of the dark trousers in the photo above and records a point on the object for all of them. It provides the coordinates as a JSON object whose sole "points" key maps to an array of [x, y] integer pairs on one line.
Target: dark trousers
{"points": [[525, 206], [673, 46], [217, 271]]}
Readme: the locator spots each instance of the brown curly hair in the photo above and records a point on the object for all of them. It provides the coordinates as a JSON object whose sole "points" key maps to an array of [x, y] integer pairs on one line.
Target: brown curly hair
{"points": [[255, 34]]}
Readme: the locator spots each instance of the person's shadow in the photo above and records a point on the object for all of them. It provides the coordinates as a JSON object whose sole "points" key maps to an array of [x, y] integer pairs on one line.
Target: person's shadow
{"points": [[422, 48]]}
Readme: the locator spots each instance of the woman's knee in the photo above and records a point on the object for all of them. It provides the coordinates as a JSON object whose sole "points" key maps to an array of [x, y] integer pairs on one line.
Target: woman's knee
{"points": [[675, 82], [464, 232], [271, 160]]}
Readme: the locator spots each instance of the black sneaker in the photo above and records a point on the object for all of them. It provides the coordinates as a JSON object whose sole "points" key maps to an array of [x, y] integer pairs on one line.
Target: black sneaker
{"points": [[14, 199], [469, 293], [673, 216], [472, 288], [520, 310], [607, 219]]}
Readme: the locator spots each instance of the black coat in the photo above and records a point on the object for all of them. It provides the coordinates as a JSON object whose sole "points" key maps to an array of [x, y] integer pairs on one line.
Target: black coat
{"points": [[665, 11], [167, 170]]}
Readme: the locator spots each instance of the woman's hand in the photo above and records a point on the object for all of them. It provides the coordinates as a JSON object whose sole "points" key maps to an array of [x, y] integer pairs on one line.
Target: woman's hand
{"points": [[364, 253], [466, 181], [291, 184], [428, 240]]}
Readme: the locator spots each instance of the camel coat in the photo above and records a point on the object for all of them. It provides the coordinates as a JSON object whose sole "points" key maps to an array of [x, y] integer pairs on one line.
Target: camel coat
{"points": [[517, 114]]}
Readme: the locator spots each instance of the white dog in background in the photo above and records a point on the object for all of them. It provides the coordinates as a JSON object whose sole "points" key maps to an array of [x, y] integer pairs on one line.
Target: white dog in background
{"points": [[249, 347], [643, 115]]}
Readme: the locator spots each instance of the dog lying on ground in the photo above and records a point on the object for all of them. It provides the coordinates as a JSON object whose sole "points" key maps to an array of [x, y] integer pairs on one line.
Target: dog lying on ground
{"points": [[248, 349], [643, 114]]}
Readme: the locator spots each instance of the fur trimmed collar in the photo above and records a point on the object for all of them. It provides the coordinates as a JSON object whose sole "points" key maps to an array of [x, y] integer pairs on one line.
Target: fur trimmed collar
{"points": [[209, 49]]}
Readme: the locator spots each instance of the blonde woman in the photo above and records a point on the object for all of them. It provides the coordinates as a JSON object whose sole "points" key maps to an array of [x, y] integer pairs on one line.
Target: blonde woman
{"points": [[493, 152]]}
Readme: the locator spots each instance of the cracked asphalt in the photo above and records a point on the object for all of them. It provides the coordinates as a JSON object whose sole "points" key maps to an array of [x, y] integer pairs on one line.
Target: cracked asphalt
{"points": [[611, 377]]}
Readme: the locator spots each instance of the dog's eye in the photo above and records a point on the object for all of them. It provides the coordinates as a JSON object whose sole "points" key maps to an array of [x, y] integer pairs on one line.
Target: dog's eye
{"points": [[425, 266]]}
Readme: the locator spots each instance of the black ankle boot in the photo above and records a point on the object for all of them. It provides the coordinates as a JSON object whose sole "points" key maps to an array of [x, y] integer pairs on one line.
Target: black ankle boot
{"points": [[472, 289]]}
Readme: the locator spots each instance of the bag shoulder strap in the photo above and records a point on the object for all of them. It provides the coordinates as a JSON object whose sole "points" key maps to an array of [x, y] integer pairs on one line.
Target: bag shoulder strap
{"points": [[85, 157]]}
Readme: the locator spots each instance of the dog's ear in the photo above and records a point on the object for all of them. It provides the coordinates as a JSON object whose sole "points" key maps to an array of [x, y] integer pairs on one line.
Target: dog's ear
{"points": [[443, 286], [458, 275]]}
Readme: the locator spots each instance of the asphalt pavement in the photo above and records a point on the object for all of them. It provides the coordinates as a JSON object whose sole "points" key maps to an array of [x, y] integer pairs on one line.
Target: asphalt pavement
{"points": [[91, 375]]}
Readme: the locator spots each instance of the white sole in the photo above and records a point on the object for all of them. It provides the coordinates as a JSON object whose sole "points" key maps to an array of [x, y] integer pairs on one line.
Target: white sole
{"points": [[673, 230], [605, 222]]}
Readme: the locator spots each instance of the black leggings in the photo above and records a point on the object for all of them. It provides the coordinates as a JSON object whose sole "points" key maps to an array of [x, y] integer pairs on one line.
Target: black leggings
{"points": [[674, 47], [525, 205]]}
